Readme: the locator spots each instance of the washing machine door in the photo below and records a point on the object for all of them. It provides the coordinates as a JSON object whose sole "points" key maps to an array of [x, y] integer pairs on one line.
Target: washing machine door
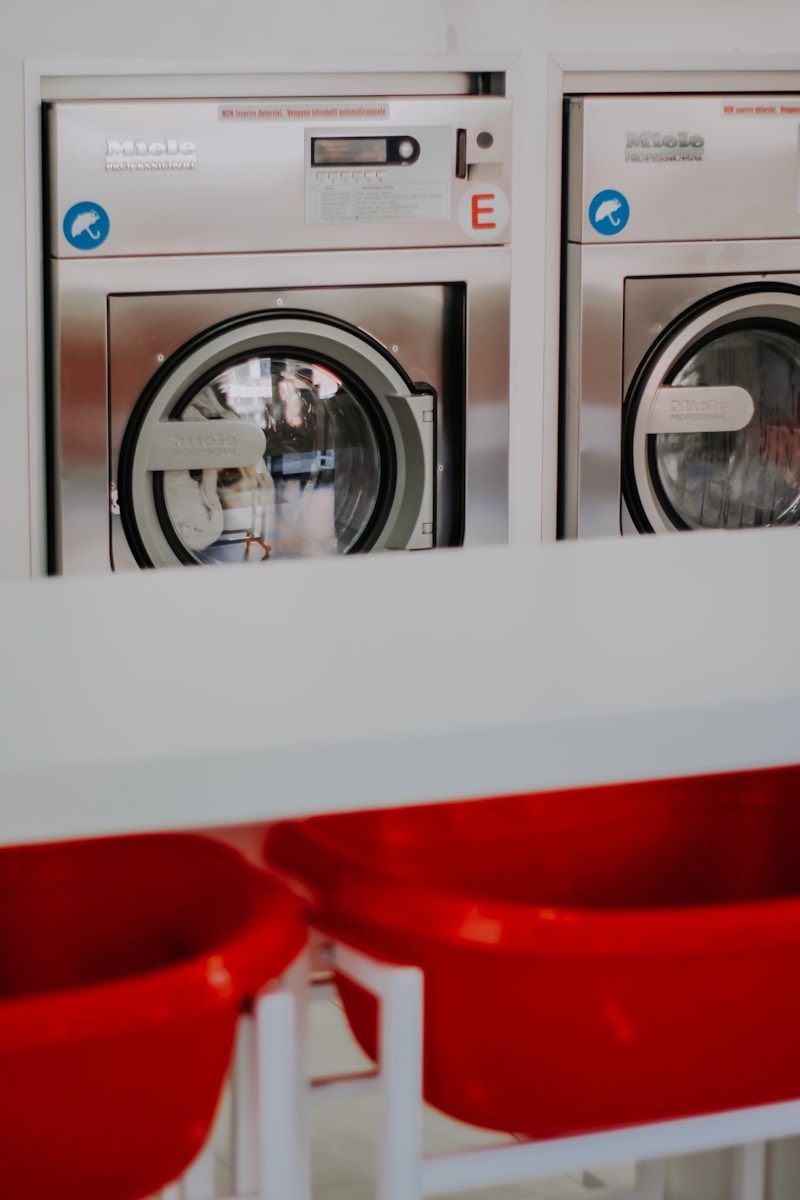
{"points": [[711, 429], [287, 435]]}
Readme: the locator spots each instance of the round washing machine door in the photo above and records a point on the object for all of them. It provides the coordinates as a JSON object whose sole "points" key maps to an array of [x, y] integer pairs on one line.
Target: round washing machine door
{"points": [[287, 435], [711, 428]]}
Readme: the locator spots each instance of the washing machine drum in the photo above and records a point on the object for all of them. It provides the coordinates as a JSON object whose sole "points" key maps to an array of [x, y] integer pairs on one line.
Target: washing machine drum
{"points": [[277, 436], [711, 432]]}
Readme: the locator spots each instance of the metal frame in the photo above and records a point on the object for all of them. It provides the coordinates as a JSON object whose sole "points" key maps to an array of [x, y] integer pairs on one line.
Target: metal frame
{"points": [[273, 1098]]}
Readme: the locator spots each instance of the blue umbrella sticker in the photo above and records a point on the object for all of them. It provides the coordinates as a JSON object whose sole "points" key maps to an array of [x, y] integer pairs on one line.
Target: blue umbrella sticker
{"points": [[86, 225], [609, 212]]}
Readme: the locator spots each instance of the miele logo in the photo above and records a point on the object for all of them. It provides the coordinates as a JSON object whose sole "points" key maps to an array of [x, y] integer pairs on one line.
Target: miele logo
{"points": [[681, 409], [167, 154], [199, 445], [664, 147]]}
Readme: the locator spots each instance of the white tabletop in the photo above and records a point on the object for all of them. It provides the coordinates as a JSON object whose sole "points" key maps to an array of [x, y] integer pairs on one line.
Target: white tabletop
{"points": [[200, 698]]}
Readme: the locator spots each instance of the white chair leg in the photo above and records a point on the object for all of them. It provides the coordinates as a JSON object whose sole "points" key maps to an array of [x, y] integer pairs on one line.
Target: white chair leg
{"points": [[275, 1051], [651, 1178], [401, 1084], [297, 982], [271, 1149], [244, 1102], [748, 1177]]}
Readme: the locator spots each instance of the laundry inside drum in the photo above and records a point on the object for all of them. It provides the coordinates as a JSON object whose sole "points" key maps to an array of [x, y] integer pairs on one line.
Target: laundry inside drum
{"points": [[316, 489], [748, 477]]}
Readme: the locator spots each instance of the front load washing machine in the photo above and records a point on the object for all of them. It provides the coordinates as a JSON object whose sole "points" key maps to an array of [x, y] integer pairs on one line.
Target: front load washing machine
{"points": [[681, 381], [279, 327]]}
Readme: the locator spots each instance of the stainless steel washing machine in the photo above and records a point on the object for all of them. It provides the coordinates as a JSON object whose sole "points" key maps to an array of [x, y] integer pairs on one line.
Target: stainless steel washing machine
{"points": [[681, 380], [279, 327]]}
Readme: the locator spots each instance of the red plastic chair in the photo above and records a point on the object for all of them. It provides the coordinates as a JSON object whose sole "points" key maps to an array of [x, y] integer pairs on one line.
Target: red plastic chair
{"points": [[592, 959], [124, 964]]}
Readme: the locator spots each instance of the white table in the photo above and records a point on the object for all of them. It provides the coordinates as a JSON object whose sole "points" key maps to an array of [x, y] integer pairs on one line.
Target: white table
{"points": [[201, 698]]}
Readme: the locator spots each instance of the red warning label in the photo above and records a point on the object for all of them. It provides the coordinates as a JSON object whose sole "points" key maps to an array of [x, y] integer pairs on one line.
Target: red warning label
{"points": [[749, 107], [303, 110]]}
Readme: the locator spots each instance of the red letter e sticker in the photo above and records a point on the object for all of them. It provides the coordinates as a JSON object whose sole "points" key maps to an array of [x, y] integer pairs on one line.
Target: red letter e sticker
{"points": [[483, 212]]}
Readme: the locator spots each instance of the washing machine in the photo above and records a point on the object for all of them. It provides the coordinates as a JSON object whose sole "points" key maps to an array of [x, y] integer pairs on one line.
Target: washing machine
{"points": [[681, 318], [278, 327]]}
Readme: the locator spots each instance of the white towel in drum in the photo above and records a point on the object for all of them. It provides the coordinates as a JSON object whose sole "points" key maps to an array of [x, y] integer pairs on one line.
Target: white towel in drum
{"points": [[194, 507]]}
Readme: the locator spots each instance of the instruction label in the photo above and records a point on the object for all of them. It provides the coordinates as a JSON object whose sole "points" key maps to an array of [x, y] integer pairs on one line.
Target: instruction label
{"points": [[345, 201]]}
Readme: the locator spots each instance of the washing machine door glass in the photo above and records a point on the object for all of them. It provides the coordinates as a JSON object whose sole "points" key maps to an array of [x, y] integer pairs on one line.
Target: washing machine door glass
{"points": [[275, 435], [711, 428], [746, 477], [312, 492]]}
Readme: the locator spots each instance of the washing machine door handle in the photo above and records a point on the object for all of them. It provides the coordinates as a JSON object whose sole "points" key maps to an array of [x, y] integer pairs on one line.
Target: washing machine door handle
{"points": [[720, 409], [414, 416], [196, 445]]}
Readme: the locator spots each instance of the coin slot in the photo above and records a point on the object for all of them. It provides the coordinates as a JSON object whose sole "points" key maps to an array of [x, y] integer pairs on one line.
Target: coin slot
{"points": [[461, 154]]}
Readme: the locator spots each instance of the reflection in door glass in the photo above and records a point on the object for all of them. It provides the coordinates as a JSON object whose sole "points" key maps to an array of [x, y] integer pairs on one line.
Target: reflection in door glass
{"points": [[750, 477], [317, 487]]}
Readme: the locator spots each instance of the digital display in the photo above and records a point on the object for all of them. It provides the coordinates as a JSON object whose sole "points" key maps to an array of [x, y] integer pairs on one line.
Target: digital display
{"points": [[346, 151]]}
